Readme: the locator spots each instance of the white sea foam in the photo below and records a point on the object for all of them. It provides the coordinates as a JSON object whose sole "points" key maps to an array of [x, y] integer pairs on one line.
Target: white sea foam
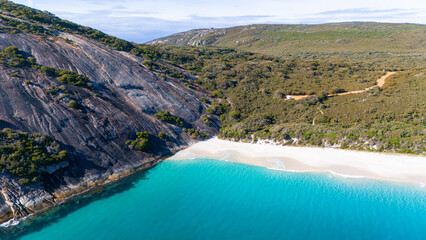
{"points": [[326, 171], [10, 223]]}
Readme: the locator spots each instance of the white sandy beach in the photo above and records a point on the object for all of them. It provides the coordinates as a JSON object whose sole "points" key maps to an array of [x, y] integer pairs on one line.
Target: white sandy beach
{"points": [[393, 167]]}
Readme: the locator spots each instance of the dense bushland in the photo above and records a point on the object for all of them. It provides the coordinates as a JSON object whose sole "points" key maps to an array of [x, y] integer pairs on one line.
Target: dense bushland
{"points": [[24, 155]]}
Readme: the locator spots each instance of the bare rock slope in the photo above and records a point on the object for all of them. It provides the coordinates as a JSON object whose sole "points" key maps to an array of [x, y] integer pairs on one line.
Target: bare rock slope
{"points": [[122, 102]]}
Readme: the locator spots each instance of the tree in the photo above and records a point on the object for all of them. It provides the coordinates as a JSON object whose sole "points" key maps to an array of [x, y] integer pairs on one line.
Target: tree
{"points": [[141, 143]]}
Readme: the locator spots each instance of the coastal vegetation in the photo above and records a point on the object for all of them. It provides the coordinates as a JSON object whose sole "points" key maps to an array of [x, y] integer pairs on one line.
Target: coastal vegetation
{"points": [[207, 119], [196, 133], [249, 72], [249, 91], [73, 104], [141, 143], [12, 57], [388, 45], [392, 118], [163, 135], [67, 77], [167, 117], [24, 155]]}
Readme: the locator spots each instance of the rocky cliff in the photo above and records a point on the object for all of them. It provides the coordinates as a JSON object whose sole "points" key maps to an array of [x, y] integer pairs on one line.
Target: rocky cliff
{"points": [[123, 99]]}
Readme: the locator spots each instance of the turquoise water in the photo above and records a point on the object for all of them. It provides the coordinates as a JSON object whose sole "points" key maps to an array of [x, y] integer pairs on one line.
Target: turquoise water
{"points": [[210, 199]]}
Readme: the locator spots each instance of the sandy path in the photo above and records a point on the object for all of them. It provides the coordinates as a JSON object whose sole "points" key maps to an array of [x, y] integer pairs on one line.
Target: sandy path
{"points": [[401, 168], [380, 83]]}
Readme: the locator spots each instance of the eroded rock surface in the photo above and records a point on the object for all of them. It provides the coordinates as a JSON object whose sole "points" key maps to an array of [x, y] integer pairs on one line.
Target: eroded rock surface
{"points": [[124, 98]]}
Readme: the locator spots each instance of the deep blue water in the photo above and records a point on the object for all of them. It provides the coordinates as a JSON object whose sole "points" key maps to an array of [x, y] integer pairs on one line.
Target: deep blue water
{"points": [[210, 199]]}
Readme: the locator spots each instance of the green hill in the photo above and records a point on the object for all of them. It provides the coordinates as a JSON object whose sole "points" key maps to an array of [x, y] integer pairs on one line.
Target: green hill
{"points": [[384, 44], [312, 60], [248, 89], [248, 92]]}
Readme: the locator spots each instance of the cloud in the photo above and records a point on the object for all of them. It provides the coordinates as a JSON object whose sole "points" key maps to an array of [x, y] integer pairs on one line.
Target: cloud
{"points": [[30, 3], [366, 14], [145, 26], [228, 20], [363, 11], [231, 18]]}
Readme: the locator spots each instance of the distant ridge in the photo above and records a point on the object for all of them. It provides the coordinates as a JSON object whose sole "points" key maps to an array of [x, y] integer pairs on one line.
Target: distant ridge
{"points": [[349, 40]]}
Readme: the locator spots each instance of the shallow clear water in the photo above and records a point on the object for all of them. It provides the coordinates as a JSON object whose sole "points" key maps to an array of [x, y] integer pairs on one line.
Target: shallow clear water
{"points": [[210, 199]]}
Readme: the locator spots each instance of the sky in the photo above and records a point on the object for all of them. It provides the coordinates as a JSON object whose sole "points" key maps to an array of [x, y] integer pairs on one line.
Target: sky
{"points": [[144, 20]]}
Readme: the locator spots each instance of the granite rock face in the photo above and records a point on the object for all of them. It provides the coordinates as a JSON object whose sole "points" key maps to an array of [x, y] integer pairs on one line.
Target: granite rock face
{"points": [[198, 37], [122, 102]]}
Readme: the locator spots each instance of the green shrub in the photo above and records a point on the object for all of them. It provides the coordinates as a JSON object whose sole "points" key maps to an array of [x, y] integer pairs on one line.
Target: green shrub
{"points": [[73, 104], [149, 64], [207, 120], [196, 133], [24, 181], [337, 90], [167, 117], [14, 58], [279, 94], [217, 94], [22, 154], [72, 78], [235, 114], [52, 90], [218, 108], [141, 143], [163, 135], [323, 96], [11, 52]]}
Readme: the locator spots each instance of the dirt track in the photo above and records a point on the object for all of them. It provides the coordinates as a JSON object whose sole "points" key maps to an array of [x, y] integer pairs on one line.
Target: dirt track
{"points": [[380, 83]]}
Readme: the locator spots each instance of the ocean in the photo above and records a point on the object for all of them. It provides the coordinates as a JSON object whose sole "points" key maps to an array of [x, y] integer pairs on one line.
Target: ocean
{"points": [[212, 199]]}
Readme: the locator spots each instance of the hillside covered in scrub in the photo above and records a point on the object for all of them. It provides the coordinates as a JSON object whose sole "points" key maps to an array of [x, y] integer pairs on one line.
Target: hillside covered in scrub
{"points": [[79, 107], [388, 45], [316, 62], [249, 92]]}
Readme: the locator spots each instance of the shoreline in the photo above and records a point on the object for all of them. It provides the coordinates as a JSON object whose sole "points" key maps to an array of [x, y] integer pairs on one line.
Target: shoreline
{"points": [[344, 163], [352, 164], [85, 189]]}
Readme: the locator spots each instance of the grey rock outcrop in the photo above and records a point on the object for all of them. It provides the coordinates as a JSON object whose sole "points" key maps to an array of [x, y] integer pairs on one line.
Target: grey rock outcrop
{"points": [[197, 37], [123, 101]]}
